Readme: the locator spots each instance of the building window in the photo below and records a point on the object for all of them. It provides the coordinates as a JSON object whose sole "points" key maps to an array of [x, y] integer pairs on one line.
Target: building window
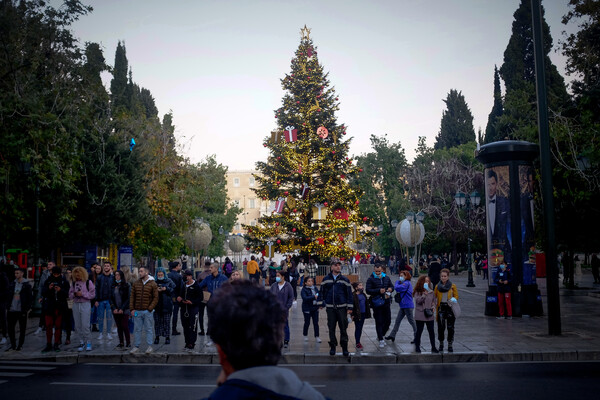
{"points": [[253, 222], [236, 203], [251, 181], [251, 203], [237, 226], [236, 182]]}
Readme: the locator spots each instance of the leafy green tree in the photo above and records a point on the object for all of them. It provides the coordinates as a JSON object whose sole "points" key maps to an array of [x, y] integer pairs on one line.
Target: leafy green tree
{"points": [[491, 134], [457, 122], [384, 185], [40, 100], [317, 158]]}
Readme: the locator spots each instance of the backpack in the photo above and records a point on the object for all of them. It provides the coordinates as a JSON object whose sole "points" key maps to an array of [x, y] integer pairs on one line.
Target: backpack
{"points": [[228, 267]]}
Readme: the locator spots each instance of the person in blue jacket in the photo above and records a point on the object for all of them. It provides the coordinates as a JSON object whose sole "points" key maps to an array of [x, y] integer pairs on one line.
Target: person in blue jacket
{"points": [[310, 308], [404, 292]]}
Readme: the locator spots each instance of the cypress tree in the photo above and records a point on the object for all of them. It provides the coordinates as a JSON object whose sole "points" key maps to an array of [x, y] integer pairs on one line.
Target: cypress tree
{"points": [[118, 85], [491, 134], [457, 122]]}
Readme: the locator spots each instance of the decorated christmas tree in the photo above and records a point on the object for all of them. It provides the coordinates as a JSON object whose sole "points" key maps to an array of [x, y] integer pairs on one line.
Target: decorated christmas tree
{"points": [[308, 170]]}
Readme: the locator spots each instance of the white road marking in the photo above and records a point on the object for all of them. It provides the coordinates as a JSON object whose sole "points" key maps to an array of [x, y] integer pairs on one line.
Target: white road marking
{"points": [[14, 374], [24, 368]]}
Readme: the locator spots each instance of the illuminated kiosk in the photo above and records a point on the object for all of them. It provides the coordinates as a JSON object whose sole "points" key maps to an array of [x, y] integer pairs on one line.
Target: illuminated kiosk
{"points": [[509, 201]]}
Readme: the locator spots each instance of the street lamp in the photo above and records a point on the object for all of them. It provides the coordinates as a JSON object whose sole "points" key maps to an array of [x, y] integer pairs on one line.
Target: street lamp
{"points": [[411, 232], [469, 202]]}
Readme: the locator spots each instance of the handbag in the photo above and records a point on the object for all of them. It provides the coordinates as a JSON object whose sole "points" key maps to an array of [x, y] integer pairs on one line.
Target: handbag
{"points": [[377, 301], [454, 306], [428, 312], [70, 304]]}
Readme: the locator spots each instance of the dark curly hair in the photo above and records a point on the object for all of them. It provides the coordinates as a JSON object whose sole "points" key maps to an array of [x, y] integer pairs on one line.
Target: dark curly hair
{"points": [[247, 322]]}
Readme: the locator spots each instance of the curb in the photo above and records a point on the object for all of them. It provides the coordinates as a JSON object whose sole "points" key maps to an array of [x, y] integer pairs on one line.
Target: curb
{"points": [[301, 359]]}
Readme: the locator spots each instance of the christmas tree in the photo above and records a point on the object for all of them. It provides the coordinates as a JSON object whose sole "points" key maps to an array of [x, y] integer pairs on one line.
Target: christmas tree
{"points": [[308, 170]]}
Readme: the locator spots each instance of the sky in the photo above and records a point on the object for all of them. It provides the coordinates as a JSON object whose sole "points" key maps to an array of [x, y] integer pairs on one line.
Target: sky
{"points": [[217, 64]]}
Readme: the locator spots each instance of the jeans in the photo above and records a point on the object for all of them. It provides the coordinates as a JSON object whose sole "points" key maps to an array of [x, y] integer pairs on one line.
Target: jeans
{"points": [[408, 312], [104, 309], [358, 327], [145, 321], [286, 328], [175, 314], [314, 315]]}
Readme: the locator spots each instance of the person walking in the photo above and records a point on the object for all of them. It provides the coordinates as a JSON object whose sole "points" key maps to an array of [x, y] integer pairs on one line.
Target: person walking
{"points": [[294, 277], [227, 267], [46, 268], [310, 308], [164, 308], [282, 289], [54, 307], [503, 281], [175, 276], [119, 304], [21, 300], [484, 267], [82, 292], [379, 288], [190, 298], [424, 311], [336, 293], [104, 284], [404, 292], [264, 269], [253, 270], [360, 312], [95, 271], [144, 298], [445, 291]]}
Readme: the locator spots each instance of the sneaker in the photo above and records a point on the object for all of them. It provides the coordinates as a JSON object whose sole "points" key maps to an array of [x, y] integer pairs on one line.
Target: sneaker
{"points": [[392, 338], [109, 336], [47, 348], [3, 341], [156, 340], [81, 347], [88, 347], [201, 333], [499, 317], [175, 333], [10, 349], [149, 350], [38, 331], [318, 339], [167, 341], [134, 350], [332, 351], [381, 344], [114, 330], [306, 338], [434, 351], [100, 336], [19, 348], [286, 344], [119, 346], [209, 343], [295, 302], [95, 328], [56, 347], [359, 346], [508, 317]]}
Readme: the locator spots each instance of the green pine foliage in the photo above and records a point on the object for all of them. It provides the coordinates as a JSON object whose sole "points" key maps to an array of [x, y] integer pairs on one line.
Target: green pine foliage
{"points": [[321, 162], [491, 133], [457, 122]]}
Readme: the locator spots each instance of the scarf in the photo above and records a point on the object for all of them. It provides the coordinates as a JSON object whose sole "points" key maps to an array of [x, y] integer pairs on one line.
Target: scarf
{"points": [[444, 288]]}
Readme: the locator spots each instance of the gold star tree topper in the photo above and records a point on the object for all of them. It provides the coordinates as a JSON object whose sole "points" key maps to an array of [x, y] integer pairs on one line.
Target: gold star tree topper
{"points": [[305, 33]]}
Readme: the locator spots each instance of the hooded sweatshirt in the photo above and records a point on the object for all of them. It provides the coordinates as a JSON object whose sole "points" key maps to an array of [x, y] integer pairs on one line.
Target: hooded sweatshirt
{"points": [[248, 382]]}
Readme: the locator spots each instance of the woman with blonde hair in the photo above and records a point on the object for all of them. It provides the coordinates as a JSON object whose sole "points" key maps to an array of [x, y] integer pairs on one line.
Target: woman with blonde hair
{"points": [[445, 292], [82, 291]]}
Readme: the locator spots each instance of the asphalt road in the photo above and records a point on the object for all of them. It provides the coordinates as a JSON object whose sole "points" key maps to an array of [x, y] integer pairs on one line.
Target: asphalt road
{"points": [[506, 381]]}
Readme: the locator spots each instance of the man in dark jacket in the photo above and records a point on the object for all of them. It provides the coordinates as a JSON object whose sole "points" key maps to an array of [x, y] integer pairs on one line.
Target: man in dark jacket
{"points": [[104, 284], [54, 306], [20, 301], [190, 297], [249, 361], [336, 293], [380, 288], [175, 275]]}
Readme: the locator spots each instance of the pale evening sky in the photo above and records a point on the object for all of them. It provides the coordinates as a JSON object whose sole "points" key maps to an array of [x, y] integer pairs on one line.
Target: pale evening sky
{"points": [[217, 64]]}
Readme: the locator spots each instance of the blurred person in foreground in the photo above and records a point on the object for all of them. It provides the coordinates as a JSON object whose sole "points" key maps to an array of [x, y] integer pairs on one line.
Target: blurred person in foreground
{"points": [[246, 324]]}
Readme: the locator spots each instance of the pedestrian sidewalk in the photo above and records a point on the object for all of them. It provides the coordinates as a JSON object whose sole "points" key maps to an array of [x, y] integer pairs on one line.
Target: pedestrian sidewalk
{"points": [[478, 338]]}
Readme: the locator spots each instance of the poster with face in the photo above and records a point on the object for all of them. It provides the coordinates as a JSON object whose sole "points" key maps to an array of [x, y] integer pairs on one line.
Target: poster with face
{"points": [[497, 184], [526, 204]]}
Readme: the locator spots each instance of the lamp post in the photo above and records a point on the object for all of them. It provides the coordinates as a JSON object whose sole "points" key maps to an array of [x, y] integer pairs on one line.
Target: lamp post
{"points": [[469, 202], [411, 232], [394, 224]]}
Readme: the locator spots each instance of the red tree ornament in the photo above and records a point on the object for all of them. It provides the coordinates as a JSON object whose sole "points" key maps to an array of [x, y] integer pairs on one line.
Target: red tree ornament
{"points": [[322, 132]]}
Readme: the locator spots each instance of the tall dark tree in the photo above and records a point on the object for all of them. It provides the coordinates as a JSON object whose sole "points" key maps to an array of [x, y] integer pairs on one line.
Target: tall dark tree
{"points": [[519, 120], [119, 83], [491, 134], [457, 122]]}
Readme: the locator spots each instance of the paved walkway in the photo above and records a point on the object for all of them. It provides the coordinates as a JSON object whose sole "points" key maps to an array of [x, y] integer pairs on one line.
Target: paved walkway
{"points": [[478, 338]]}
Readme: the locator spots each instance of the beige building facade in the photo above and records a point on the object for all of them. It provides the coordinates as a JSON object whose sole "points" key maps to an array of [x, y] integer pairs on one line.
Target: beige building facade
{"points": [[239, 190]]}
